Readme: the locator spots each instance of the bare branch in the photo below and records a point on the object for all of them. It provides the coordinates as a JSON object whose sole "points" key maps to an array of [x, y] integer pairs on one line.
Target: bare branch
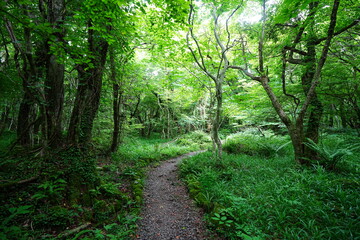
{"points": [[287, 25], [275, 102], [227, 24], [261, 40], [296, 61], [223, 58]]}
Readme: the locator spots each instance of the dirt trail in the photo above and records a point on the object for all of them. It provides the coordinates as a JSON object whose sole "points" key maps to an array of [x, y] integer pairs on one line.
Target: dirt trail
{"points": [[168, 212]]}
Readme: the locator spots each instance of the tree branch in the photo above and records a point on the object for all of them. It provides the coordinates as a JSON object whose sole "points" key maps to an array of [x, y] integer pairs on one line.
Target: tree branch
{"points": [[355, 22], [296, 100], [247, 73], [321, 62], [201, 64], [292, 49], [261, 40]]}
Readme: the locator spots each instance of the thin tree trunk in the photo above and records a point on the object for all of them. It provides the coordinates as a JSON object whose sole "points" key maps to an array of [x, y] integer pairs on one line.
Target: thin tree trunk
{"points": [[117, 99], [217, 120]]}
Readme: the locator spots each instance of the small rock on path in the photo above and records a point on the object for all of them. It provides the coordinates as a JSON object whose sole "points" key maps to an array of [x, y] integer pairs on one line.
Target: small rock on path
{"points": [[168, 212]]}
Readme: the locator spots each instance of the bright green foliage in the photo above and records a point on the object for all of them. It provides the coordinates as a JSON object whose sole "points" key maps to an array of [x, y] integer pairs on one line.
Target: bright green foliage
{"points": [[257, 142], [256, 192], [250, 197], [332, 153]]}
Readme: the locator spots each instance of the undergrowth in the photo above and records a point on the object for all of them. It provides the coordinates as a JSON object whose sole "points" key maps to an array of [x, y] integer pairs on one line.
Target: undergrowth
{"points": [[257, 143], [81, 195], [271, 197]]}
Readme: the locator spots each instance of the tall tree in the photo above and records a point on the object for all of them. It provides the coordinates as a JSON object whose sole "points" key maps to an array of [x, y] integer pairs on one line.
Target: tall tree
{"points": [[90, 69], [215, 69], [311, 76], [55, 69], [37, 43]]}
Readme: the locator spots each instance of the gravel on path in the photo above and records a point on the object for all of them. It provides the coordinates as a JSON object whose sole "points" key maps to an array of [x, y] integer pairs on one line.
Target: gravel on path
{"points": [[168, 212]]}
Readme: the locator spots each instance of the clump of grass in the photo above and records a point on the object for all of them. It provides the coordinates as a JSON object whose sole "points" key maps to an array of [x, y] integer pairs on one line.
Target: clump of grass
{"points": [[246, 197], [265, 145]]}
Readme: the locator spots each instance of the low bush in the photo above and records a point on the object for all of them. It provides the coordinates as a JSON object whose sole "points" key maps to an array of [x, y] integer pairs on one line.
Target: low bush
{"points": [[331, 153], [196, 138], [265, 145]]}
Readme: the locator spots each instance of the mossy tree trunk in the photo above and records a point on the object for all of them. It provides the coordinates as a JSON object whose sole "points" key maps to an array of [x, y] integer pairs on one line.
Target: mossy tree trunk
{"points": [[88, 93]]}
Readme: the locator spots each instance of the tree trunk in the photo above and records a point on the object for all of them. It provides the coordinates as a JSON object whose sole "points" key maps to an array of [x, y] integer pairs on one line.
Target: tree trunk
{"points": [[27, 72], [54, 82], [24, 120], [4, 119], [342, 115], [88, 92], [117, 101], [316, 107], [217, 120], [297, 142]]}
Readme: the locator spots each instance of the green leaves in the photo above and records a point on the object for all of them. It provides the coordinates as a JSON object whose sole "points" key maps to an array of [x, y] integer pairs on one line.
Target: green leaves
{"points": [[289, 9], [330, 156]]}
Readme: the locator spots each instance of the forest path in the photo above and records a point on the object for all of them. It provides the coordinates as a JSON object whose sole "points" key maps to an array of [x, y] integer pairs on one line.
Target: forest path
{"points": [[168, 212]]}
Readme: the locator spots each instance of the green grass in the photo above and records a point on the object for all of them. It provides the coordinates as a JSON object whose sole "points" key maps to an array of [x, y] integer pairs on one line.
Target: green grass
{"points": [[258, 197], [254, 144]]}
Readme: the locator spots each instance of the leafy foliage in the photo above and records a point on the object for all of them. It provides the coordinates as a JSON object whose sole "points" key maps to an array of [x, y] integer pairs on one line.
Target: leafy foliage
{"points": [[331, 155], [247, 197], [52, 184], [263, 143]]}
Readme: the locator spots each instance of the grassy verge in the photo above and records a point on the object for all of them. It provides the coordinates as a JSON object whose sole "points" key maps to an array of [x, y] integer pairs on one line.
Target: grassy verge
{"points": [[103, 204], [267, 196]]}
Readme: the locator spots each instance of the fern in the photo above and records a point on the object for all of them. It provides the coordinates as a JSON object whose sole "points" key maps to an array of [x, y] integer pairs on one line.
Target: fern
{"points": [[330, 157]]}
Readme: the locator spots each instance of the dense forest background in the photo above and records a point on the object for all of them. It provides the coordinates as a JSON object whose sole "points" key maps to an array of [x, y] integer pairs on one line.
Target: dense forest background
{"points": [[92, 92]]}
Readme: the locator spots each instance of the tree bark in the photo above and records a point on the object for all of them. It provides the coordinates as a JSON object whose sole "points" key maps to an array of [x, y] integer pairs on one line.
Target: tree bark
{"points": [[27, 72], [117, 101], [316, 107], [88, 93], [217, 120], [54, 82]]}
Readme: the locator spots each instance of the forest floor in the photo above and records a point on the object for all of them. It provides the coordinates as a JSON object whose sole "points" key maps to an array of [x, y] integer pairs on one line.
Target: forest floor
{"points": [[168, 212]]}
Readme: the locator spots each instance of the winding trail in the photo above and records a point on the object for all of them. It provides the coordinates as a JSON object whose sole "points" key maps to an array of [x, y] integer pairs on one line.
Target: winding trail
{"points": [[168, 212]]}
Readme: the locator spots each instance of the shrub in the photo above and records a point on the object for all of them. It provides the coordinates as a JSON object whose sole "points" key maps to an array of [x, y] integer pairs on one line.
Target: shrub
{"points": [[250, 144], [198, 138], [56, 218], [331, 154]]}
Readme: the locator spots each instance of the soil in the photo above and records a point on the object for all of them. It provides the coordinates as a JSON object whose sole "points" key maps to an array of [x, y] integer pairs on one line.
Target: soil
{"points": [[168, 212]]}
